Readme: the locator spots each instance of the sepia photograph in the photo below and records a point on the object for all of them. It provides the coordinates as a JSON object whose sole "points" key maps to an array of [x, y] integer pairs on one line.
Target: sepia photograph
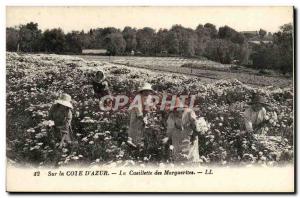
{"points": [[124, 96]]}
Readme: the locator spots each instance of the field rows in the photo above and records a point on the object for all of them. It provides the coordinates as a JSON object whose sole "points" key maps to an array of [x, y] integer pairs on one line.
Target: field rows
{"points": [[170, 61], [173, 65]]}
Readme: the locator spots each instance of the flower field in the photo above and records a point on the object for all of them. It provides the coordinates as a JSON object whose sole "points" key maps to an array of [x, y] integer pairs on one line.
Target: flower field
{"points": [[208, 70], [35, 81]]}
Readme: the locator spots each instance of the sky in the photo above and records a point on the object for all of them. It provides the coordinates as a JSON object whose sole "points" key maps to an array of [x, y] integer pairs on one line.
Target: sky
{"points": [[84, 18]]}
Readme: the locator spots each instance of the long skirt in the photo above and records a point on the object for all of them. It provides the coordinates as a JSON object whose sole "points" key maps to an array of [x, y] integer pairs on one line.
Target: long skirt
{"points": [[185, 148]]}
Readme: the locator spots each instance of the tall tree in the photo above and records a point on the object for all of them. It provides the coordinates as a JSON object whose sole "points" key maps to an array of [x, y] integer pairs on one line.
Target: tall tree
{"points": [[187, 40], [129, 34], [74, 42], [277, 55], [204, 35], [29, 37], [54, 41], [12, 39], [284, 40], [221, 50], [172, 43], [115, 43], [189, 43], [213, 32], [145, 38], [229, 33], [160, 42]]}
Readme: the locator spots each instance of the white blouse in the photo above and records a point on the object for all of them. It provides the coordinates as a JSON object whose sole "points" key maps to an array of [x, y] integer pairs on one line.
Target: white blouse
{"points": [[254, 118]]}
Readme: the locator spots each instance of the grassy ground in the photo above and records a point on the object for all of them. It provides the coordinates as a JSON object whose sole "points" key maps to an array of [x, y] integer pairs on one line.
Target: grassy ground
{"points": [[206, 70]]}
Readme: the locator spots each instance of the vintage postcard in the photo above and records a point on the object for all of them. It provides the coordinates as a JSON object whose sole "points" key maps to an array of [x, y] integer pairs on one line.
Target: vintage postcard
{"points": [[150, 99]]}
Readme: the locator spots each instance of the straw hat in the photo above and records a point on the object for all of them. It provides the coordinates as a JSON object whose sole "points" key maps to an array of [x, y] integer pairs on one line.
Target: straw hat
{"points": [[65, 100], [146, 87]]}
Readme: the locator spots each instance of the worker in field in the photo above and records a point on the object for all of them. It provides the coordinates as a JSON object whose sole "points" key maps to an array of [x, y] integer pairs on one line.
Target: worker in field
{"points": [[141, 133], [256, 114], [101, 88], [61, 113], [182, 133]]}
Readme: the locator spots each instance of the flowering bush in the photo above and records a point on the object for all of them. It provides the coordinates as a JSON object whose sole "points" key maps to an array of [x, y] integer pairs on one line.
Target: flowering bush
{"points": [[35, 81]]}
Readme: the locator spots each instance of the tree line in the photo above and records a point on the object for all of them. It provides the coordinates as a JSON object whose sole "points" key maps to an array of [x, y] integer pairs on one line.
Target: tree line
{"points": [[224, 45]]}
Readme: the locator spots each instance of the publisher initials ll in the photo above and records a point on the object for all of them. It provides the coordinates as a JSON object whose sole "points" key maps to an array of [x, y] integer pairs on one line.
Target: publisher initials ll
{"points": [[208, 172]]}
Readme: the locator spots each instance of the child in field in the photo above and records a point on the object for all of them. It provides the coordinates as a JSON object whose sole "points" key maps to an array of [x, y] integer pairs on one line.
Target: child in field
{"points": [[101, 89], [138, 117], [61, 113], [100, 85]]}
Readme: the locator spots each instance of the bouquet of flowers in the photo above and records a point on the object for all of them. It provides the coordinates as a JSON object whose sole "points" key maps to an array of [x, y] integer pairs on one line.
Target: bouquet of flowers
{"points": [[202, 126]]}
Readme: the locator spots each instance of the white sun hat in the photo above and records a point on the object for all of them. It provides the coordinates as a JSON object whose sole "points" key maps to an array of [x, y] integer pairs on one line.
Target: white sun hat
{"points": [[146, 87], [65, 100]]}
